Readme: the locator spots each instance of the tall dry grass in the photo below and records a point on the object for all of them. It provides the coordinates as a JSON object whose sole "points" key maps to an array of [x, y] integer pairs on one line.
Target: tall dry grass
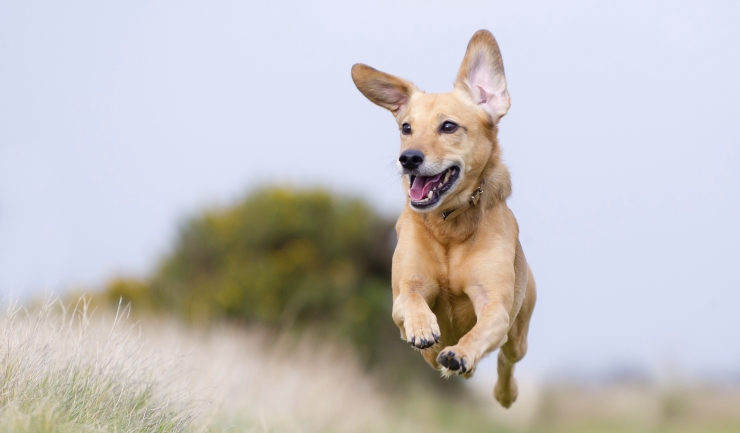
{"points": [[59, 372], [71, 369]]}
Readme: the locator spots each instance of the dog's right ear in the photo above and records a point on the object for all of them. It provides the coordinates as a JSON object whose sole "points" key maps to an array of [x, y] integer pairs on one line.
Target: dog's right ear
{"points": [[482, 75], [391, 93]]}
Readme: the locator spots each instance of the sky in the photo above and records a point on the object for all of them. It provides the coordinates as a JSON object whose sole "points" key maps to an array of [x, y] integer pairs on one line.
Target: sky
{"points": [[118, 120]]}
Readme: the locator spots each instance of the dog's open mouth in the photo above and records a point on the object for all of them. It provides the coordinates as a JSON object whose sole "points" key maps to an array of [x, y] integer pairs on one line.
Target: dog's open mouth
{"points": [[426, 191]]}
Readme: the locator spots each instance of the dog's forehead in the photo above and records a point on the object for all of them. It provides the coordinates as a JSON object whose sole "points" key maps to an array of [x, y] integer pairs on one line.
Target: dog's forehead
{"points": [[435, 108]]}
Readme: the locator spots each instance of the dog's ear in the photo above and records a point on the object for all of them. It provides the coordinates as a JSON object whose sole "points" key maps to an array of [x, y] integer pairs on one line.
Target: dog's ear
{"points": [[482, 75], [389, 92]]}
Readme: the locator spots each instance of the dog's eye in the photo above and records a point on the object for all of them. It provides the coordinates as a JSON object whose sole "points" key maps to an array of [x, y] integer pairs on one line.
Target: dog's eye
{"points": [[406, 129], [448, 127]]}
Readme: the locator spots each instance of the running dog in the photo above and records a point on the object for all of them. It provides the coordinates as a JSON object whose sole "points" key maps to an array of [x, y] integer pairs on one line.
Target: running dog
{"points": [[461, 285]]}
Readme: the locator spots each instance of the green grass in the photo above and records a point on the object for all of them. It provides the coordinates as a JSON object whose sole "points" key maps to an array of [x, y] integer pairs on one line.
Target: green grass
{"points": [[59, 374], [67, 370]]}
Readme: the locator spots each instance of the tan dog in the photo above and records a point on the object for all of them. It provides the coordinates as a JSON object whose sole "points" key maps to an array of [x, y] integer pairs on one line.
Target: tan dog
{"points": [[461, 285]]}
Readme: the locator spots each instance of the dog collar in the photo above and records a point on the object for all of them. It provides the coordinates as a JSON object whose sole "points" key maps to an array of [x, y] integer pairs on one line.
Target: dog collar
{"points": [[474, 199]]}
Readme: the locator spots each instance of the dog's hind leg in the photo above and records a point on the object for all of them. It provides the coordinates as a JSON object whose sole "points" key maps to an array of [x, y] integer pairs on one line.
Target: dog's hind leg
{"points": [[515, 348]]}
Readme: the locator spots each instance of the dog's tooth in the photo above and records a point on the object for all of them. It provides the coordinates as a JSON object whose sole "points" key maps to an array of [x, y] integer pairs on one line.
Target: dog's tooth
{"points": [[430, 195], [447, 177]]}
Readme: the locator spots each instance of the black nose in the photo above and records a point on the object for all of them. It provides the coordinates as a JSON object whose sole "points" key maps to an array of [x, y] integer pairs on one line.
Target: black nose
{"points": [[411, 159]]}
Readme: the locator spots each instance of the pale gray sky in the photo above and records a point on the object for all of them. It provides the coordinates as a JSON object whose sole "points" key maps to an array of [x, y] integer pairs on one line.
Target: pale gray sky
{"points": [[117, 120]]}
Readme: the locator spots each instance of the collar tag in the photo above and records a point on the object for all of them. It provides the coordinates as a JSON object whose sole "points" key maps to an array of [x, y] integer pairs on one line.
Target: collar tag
{"points": [[476, 195], [474, 199]]}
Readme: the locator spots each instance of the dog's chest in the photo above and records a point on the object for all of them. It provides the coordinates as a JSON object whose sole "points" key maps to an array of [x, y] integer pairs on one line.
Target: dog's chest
{"points": [[454, 272]]}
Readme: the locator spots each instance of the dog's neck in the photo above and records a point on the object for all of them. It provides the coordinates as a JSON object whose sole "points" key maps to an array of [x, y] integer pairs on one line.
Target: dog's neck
{"points": [[495, 185], [453, 213]]}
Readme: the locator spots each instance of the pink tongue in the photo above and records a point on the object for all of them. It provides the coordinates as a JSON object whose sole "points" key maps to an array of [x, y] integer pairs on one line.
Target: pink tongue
{"points": [[422, 185]]}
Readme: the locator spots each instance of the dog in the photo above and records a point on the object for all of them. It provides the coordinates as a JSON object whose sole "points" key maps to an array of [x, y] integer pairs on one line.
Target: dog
{"points": [[462, 287]]}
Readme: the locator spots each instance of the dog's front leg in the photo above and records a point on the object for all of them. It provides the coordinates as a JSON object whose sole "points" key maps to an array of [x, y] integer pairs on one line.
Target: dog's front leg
{"points": [[415, 289], [492, 296], [413, 315]]}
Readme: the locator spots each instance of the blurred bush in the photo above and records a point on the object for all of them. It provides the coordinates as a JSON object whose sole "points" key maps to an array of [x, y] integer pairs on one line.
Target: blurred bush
{"points": [[289, 259]]}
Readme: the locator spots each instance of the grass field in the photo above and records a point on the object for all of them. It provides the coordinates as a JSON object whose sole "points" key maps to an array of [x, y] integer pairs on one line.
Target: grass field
{"points": [[72, 370]]}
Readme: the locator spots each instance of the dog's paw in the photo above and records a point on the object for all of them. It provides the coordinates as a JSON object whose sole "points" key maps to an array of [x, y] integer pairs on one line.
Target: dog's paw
{"points": [[506, 393], [453, 360], [422, 330]]}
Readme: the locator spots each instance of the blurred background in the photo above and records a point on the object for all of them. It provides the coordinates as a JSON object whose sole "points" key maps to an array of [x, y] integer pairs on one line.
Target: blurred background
{"points": [[213, 162]]}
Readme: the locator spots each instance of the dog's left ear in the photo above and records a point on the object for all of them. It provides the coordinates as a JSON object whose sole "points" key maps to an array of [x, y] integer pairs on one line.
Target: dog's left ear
{"points": [[482, 75], [386, 90]]}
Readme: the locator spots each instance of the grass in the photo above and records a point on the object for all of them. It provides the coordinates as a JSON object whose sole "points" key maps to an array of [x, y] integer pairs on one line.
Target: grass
{"points": [[69, 370], [60, 374]]}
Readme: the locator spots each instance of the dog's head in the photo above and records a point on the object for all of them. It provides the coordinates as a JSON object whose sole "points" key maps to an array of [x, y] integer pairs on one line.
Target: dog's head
{"points": [[447, 140]]}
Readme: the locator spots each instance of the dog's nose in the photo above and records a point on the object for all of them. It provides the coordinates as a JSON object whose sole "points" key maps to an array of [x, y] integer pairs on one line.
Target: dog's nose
{"points": [[411, 159]]}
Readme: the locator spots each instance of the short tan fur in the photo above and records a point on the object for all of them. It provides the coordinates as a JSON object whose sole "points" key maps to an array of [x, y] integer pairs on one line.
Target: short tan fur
{"points": [[461, 285]]}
